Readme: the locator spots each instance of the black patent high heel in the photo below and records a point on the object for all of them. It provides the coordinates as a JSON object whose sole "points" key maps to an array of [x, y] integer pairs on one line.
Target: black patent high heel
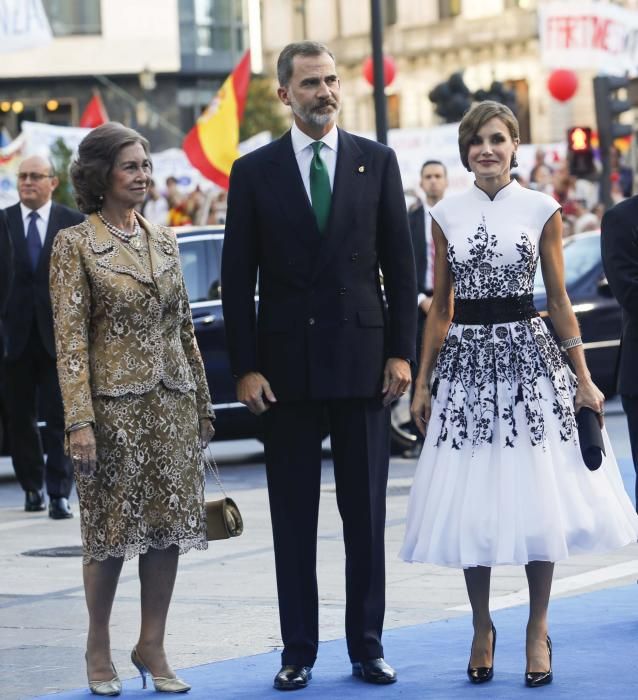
{"points": [[534, 679], [482, 674]]}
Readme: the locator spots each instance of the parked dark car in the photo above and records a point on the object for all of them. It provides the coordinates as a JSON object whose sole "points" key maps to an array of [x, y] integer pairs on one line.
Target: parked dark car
{"points": [[200, 250], [597, 311]]}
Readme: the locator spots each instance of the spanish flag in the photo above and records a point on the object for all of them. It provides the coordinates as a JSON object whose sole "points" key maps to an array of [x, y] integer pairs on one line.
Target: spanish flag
{"points": [[211, 145]]}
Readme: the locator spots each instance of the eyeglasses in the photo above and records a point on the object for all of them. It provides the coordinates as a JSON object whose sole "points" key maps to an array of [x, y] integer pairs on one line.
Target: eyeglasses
{"points": [[36, 177]]}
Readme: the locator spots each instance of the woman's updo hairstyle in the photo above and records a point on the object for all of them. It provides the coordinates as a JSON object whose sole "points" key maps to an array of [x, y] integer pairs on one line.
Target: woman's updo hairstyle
{"points": [[480, 114], [97, 153]]}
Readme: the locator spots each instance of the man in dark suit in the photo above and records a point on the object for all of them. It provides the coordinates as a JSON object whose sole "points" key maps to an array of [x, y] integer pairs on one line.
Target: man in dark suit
{"points": [[31, 383], [619, 241], [6, 278], [433, 183], [315, 214]]}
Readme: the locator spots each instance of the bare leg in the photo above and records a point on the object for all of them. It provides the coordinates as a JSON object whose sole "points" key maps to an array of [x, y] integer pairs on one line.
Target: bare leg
{"points": [[158, 569], [100, 584], [539, 579], [477, 581]]}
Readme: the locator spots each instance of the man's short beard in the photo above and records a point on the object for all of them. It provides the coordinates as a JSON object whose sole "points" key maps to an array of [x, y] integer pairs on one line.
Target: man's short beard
{"points": [[310, 117]]}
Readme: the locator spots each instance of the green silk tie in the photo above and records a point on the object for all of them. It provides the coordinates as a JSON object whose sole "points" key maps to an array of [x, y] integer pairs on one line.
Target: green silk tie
{"points": [[320, 193]]}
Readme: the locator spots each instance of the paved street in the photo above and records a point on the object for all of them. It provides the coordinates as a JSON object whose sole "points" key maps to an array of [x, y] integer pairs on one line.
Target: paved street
{"points": [[225, 601]]}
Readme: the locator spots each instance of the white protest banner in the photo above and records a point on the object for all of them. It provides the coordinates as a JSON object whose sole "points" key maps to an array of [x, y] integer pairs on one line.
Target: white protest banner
{"points": [[23, 25], [591, 36]]}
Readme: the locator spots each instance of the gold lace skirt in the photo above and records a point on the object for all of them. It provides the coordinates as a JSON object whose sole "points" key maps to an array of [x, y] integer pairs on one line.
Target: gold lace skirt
{"points": [[149, 487]]}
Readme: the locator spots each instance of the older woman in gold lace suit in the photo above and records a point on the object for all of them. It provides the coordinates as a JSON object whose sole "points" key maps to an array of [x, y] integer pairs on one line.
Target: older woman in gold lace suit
{"points": [[137, 406]]}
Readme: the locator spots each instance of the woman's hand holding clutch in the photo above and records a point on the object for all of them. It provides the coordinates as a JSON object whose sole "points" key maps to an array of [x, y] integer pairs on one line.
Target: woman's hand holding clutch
{"points": [[82, 450], [588, 394]]}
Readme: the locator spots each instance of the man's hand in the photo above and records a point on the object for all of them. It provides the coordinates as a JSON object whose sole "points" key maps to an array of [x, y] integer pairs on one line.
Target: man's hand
{"points": [[253, 390], [82, 450], [396, 379]]}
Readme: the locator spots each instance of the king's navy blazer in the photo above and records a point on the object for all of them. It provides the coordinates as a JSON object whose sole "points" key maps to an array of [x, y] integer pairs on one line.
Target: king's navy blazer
{"points": [[325, 326], [29, 298]]}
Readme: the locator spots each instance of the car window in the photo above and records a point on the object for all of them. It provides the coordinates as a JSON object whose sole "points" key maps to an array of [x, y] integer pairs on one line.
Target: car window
{"points": [[201, 266], [581, 256]]}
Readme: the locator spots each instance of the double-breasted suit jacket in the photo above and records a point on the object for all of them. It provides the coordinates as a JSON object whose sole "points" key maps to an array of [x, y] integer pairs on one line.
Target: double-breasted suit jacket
{"points": [[323, 329], [120, 327]]}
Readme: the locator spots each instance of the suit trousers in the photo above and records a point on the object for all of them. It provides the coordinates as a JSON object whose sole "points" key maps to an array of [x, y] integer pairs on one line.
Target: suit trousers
{"points": [[360, 439], [32, 388], [630, 406]]}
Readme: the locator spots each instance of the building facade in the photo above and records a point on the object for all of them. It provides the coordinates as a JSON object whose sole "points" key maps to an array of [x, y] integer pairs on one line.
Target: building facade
{"points": [[490, 40], [156, 63]]}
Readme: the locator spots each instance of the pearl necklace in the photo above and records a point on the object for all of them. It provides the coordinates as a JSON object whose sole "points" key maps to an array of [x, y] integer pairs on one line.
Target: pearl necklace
{"points": [[133, 239]]}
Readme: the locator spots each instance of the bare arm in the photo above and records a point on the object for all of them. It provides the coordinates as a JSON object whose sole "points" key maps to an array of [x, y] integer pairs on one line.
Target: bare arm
{"points": [[561, 312], [436, 328]]}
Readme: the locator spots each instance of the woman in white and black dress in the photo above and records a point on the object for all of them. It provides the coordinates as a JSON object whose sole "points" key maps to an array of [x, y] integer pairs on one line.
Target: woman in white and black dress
{"points": [[501, 479]]}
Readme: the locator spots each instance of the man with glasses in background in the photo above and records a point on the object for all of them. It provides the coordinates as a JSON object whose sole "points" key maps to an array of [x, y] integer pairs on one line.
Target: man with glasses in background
{"points": [[31, 380]]}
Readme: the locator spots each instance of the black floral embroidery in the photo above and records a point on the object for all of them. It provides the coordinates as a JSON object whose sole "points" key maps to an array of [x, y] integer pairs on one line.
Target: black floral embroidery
{"points": [[490, 369]]}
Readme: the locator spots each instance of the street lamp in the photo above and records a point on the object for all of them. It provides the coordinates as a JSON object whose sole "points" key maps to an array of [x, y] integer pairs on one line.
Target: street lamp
{"points": [[380, 108]]}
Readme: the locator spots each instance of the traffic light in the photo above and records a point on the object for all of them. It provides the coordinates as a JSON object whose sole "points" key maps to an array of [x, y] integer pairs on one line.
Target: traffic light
{"points": [[580, 154], [608, 107]]}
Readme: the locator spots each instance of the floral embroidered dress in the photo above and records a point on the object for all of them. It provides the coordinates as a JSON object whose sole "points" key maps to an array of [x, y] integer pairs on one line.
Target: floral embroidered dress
{"points": [[501, 479], [128, 362]]}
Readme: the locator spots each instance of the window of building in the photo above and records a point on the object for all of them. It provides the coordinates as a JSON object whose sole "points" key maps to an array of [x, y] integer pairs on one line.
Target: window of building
{"points": [[72, 17], [449, 8], [390, 12], [219, 26], [394, 111]]}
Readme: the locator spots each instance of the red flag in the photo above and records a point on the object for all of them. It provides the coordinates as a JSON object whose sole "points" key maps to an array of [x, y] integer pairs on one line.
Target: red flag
{"points": [[211, 145], [95, 113]]}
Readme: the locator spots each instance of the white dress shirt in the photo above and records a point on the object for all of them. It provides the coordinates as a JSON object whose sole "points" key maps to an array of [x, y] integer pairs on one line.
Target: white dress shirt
{"points": [[302, 146], [42, 222]]}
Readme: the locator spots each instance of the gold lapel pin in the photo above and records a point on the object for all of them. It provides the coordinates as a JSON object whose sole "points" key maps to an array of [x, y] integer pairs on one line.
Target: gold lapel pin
{"points": [[362, 168]]}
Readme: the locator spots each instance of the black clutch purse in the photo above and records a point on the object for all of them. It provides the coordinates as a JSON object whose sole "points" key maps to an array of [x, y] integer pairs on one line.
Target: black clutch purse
{"points": [[590, 436]]}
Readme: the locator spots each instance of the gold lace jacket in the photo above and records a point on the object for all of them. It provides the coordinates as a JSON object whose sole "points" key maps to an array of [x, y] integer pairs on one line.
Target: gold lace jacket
{"points": [[120, 326]]}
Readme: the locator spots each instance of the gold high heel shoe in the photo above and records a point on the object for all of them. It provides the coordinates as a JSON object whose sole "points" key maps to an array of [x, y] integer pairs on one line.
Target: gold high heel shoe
{"points": [[162, 685], [112, 687]]}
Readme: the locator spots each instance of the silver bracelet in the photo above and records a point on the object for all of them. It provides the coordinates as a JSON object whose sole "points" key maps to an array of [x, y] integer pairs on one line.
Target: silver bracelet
{"points": [[571, 343], [79, 426]]}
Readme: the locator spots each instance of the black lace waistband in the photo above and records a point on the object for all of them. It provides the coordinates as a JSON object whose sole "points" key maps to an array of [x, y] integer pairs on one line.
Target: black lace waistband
{"points": [[475, 312]]}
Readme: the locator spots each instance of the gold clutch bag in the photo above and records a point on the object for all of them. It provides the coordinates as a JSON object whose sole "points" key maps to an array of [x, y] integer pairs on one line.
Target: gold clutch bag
{"points": [[223, 519]]}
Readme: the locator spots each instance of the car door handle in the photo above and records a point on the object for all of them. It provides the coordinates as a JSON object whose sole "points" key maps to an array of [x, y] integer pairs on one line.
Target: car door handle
{"points": [[206, 320]]}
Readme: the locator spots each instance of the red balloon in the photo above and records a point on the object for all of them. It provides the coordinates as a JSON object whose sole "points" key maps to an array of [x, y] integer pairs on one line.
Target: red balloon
{"points": [[389, 70], [562, 84]]}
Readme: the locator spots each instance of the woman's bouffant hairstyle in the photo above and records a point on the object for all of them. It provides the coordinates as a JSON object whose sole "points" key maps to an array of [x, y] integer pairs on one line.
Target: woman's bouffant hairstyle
{"points": [[97, 153], [479, 115]]}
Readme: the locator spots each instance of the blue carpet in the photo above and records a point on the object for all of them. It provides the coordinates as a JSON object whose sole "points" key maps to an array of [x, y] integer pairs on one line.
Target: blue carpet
{"points": [[595, 639]]}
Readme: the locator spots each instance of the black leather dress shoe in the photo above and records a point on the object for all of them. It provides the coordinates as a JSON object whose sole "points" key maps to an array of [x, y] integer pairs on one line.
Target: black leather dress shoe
{"points": [[59, 509], [374, 671], [34, 501], [293, 677]]}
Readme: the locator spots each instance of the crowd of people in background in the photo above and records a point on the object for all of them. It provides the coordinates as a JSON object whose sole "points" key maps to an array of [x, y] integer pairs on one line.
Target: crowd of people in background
{"points": [[172, 207]]}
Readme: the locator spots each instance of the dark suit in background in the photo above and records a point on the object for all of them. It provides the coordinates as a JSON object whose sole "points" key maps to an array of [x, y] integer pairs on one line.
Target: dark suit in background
{"points": [[321, 338], [31, 375], [619, 241]]}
